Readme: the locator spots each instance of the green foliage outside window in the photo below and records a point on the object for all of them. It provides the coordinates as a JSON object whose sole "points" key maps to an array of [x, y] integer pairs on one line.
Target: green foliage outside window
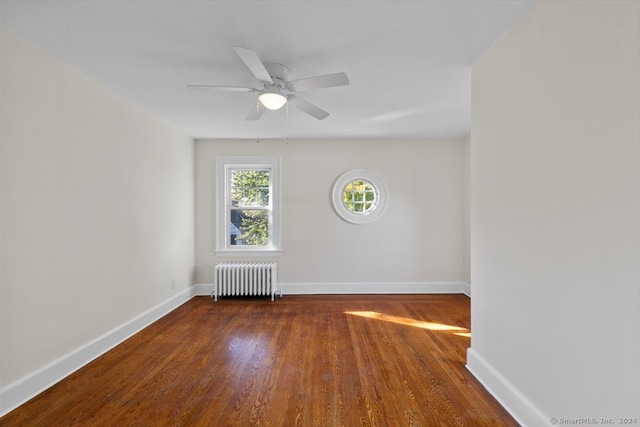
{"points": [[250, 187], [359, 196], [250, 191]]}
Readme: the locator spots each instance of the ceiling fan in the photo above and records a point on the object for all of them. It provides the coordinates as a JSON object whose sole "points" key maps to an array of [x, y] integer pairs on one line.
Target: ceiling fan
{"points": [[275, 87]]}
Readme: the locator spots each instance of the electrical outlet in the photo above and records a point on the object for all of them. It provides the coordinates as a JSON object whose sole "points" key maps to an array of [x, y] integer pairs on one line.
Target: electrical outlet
{"points": [[173, 283]]}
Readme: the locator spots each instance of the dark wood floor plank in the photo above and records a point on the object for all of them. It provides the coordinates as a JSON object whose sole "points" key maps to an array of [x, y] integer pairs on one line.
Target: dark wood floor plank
{"points": [[365, 360]]}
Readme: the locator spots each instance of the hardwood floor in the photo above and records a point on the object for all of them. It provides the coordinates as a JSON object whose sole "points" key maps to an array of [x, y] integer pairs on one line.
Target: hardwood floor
{"points": [[383, 360]]}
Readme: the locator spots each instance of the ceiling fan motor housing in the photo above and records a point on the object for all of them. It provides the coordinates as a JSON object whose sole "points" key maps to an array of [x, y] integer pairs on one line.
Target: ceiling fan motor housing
{"points": [[279, 74]]}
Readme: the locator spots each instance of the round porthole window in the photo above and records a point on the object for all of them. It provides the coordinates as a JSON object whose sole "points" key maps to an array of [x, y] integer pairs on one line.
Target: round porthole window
{"points": [[358, 196]]}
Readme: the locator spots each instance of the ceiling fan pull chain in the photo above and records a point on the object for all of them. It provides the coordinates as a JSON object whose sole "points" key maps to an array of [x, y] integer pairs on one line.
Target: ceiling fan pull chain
{"points": [[287, 124], [258, 120]]}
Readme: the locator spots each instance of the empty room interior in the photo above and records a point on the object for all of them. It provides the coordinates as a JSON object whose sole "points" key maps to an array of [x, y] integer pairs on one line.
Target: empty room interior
{"points": [[320, 213]]}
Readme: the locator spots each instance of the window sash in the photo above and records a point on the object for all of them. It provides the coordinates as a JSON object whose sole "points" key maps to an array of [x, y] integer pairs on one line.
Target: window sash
{"points": [[244, 235]]}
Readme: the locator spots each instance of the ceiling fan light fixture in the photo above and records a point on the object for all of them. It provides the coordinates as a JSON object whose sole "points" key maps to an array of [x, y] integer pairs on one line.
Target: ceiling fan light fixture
{"points": [[272, 100]]}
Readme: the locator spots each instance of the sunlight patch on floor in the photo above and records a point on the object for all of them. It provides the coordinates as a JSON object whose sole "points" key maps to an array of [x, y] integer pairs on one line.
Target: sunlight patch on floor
{"points": [[463, 332]]}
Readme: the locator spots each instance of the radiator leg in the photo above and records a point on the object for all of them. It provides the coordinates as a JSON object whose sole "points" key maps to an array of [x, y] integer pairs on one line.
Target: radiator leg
{"points": [[274, 280], [214, 292]]}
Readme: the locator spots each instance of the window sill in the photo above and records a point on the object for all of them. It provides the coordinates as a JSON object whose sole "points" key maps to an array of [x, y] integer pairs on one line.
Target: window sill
{"points": [[243, 254]]}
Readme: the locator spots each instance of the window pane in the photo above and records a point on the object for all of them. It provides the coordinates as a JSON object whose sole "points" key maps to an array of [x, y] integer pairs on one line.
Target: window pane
{"points": [[250, 187], [359, 196], [370, 196], [249, 227]]}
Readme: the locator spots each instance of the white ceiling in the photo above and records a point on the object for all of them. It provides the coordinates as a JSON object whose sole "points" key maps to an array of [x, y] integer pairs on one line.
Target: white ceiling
{"points": [[409, 62]]}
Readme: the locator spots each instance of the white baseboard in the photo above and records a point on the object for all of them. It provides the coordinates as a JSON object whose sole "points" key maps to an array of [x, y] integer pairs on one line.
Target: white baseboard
{"points": [[516, 403], [361, 288], [202, 289], [373, 288], [18, 392], [466, 289]]}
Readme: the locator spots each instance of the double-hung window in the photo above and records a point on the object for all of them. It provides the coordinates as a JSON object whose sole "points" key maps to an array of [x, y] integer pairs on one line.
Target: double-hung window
{"points": [[248, 205]]}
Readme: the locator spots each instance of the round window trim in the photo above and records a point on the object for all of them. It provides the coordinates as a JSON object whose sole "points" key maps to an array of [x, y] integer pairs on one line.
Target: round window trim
{"points": [[370, 213]]}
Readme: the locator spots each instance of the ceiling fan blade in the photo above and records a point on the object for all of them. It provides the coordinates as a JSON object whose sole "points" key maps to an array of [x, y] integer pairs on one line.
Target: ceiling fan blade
{"points": [[328, 80], [307, 107], [253, 62], [224, 88], [255, 113]]}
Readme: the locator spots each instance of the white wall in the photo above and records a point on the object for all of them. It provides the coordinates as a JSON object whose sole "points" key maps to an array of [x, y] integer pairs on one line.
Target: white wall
{"points": [[466, 231], [97, 211], [555, 187], [417, 240]]}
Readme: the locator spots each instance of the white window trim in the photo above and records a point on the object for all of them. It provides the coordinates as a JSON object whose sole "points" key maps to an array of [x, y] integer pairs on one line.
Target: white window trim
{"points": [[338, 203], [223, 164]]}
